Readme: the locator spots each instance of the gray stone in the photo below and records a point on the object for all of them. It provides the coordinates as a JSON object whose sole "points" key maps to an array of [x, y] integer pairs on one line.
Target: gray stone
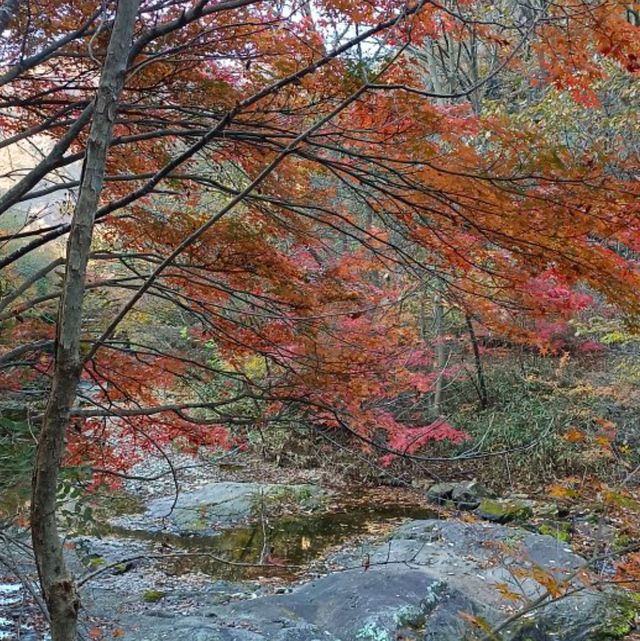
{"points": [[448, 622], [428, 582], [465, 495], [216, 505], [584, 616], [356, 604], [440, 493], [546, 510]]}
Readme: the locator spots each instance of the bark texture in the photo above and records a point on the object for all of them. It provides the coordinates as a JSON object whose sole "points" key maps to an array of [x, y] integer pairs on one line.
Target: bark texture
{"points": [[57, 583]]}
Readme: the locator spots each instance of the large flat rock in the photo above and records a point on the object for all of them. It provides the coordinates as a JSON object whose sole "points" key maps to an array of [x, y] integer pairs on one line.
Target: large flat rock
{"points": [[214, 506], [428, 582]]}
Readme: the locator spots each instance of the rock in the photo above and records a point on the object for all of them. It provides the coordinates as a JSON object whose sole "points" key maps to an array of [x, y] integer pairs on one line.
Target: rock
{"points": [[153, 596], [589, 616], [426, 583], [465, 496], [499, 511], [126, 566], [421, 484], [557, 529], [368, 606], [440, 493], [446, 622], [216, 505], [547, 510]]}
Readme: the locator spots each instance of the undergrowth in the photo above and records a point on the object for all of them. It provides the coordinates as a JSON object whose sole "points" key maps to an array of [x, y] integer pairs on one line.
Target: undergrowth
{"points": [[551, 417]]}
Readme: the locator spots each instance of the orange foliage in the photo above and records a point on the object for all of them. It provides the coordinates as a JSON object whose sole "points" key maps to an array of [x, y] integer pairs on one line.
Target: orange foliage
{"points": [[312, 269]]}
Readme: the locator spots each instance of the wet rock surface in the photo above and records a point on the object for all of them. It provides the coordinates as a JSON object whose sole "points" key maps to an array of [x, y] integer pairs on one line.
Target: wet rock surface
{"points": [[217, 505], [430, 580], [425, 580]]}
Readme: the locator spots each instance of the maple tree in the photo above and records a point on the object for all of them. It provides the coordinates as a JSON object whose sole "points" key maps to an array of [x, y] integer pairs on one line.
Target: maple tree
{"points": [[272, 184]]}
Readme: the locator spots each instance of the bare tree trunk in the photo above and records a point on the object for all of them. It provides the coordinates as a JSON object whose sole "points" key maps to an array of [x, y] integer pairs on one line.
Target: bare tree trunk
{"points": [[480, 382], [441, 352], [424, 332], [56, 582]]}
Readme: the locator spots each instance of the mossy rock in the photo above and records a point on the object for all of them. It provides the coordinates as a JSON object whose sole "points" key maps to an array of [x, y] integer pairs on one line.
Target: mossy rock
{"points": [[371, 631], [94, 562], [153, 596], [503, 511], [411, 617], [123, 567], [466, 495], [557, 529], [621, 618], [604, 617]]}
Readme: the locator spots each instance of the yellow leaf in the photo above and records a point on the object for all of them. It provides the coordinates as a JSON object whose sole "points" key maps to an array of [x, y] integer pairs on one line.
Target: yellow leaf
{"points": [[574, 435], [561, 492], [504, 590]]}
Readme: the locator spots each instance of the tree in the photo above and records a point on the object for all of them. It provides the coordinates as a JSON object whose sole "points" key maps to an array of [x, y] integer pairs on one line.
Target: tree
{"points": [[279, 181], [57, 585]]}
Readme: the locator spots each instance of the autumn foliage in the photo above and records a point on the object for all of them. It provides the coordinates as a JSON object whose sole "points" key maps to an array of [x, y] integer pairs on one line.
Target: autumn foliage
{"points": [[325, 181]]}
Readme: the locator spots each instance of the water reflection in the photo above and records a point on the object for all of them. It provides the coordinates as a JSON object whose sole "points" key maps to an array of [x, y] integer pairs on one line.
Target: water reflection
{"points": [[289, 541]]}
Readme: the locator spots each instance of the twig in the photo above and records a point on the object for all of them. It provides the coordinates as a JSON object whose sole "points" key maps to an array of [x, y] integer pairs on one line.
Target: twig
{"points": [[160, 557]]}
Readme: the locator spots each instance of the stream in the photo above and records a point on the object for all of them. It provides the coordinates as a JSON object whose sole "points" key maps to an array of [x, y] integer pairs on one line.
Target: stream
{"points": [[281, 543], [245, 561]]}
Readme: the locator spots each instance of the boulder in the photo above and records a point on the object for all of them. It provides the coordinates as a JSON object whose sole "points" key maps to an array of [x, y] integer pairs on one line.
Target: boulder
{"points": [[440, 493], [560, 530], [501, 511], [429, 582], [217, 505], [465, 495]]}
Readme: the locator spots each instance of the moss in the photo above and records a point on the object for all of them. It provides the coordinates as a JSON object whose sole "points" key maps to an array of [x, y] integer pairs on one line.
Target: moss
{"points": [[370, 631], [559, 531], [305, 493], [121, 568], [153, 596], [411, 616], [503, 511], [95, 562], [621, 618]]}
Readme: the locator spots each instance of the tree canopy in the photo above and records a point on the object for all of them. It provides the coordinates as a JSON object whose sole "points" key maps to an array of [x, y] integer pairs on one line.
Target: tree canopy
{"points": [[258, 197]]}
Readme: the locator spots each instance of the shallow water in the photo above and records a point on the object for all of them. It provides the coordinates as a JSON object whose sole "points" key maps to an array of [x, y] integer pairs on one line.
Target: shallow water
{"points": [[290, 541]]}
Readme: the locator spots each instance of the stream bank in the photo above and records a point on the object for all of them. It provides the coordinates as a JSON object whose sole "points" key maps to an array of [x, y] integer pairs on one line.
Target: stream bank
{"points": [[235, 560]]}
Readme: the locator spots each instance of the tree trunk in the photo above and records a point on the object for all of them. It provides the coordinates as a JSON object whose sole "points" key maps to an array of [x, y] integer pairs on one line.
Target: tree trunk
{"points": [[480, 382], [56, 582], [441, 353]]}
